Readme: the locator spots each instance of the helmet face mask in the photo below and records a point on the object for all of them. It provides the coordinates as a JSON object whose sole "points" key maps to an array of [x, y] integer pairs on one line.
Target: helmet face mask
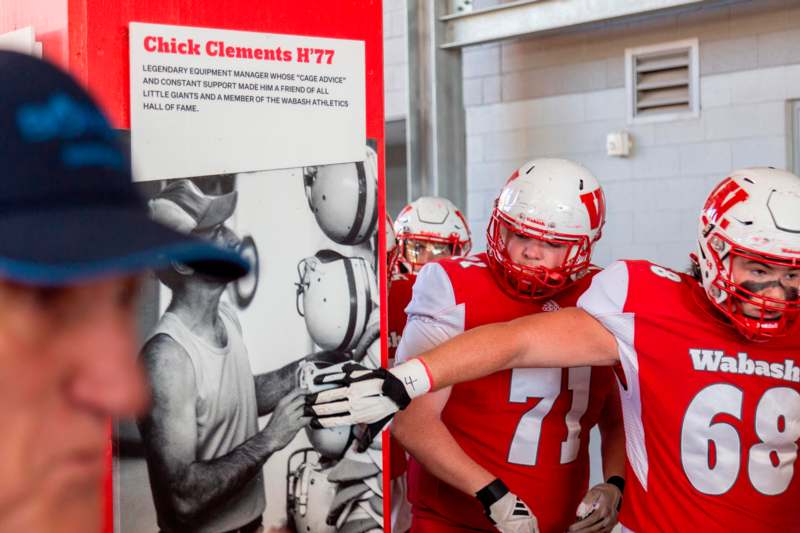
{"points": [[755, 315], [559, 204], [748, 239], [418, 251], [309, 494], [534, 281]]}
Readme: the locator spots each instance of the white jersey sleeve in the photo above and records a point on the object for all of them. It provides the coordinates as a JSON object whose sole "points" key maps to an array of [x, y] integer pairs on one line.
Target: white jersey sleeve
{"points": [[433, 314], [605, 300]]}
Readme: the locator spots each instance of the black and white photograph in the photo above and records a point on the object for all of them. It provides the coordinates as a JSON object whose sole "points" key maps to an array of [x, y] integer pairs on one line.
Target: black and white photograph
{"points": [[226, 444]]}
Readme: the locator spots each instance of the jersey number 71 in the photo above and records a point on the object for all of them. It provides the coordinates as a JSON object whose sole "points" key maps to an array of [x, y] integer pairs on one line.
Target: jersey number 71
{"points": [[545, 383]]}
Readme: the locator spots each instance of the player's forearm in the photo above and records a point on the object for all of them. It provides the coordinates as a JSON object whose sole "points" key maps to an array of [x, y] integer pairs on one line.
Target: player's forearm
{"points": [[207, 484], [437, 450], [473, 354], [565, 338]]}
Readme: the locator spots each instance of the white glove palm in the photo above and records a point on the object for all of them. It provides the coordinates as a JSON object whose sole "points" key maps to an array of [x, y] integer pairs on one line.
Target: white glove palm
{"points": [[365, 396], [511, 515], [506, 510]]}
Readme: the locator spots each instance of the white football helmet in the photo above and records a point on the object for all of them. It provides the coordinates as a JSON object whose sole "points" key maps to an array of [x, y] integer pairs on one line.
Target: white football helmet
{"points": [[754, 213], [309, 494], [430, 228], [344, 198], [551, 200], [335, 296]]}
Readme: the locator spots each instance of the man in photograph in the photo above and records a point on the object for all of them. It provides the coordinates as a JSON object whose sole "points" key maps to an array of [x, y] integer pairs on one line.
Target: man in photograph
{"points": [[205, 452]]}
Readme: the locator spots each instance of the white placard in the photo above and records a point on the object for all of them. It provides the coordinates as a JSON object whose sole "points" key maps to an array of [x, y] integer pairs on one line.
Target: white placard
{"points": [[207, 101], [22, 40]]}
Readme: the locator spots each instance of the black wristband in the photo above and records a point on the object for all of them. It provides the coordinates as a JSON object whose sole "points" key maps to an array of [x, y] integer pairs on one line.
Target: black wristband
{"points": [[617, 482], [492, 492]]}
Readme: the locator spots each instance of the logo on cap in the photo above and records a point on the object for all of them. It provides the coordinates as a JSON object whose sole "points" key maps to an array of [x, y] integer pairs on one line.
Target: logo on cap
{"points": [[65, 119]]}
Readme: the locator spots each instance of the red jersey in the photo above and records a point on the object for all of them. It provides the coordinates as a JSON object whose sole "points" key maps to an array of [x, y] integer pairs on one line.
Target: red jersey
{"points": [[399, 296], [529, 427], [712, 420]]}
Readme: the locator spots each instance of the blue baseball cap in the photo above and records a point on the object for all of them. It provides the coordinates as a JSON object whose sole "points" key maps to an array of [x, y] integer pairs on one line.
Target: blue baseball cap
{"points": [[69, 211]]}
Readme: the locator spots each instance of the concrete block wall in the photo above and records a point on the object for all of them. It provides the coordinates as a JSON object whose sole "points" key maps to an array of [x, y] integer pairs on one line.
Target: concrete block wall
{"points": [[559, 95]]}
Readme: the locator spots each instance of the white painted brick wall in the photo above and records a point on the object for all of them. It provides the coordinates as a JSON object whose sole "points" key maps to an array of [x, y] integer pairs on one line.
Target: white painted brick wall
{"points": [[766, 151], [705, 158], [654, 195], [561, 94]]}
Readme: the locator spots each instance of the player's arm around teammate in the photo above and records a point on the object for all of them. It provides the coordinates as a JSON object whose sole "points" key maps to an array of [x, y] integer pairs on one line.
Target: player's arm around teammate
{"points": [[530, 341]]}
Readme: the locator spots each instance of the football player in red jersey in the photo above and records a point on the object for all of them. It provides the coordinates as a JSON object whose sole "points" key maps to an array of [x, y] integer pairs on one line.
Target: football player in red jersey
{"points": [[711, 389], [515, 437], [428, 228]]}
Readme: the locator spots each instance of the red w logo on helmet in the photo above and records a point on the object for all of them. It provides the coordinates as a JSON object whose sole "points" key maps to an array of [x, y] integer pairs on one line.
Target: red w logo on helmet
{"points": [[595, 204], [726, 195]]}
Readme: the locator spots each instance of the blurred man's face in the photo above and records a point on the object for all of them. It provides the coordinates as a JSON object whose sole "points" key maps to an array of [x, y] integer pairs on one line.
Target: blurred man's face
{"points": [[67, 364]]}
